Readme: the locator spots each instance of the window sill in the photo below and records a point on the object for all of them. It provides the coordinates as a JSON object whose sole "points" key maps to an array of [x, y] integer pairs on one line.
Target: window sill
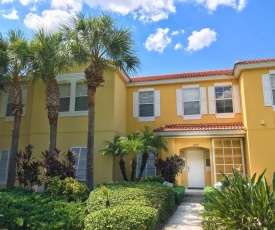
{"points": [[225, 115], [146, 119], [192, 117], [73, 114]]}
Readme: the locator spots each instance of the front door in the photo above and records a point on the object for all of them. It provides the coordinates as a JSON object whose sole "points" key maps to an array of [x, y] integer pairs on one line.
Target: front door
{"points": [[195, 169]]}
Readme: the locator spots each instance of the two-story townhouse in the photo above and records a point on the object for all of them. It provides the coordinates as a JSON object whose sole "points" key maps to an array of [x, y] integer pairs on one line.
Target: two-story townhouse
{"points": [[216, 120]]}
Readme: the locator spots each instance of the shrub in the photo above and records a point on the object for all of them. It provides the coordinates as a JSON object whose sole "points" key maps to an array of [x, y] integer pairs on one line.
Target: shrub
{"points": [[126, 217], [27, 170], [208, 192], [179, 194], [21, 209], [53, 167], [154, 195], [158, 179], [170, 167], [68, 188], [243, 203]]}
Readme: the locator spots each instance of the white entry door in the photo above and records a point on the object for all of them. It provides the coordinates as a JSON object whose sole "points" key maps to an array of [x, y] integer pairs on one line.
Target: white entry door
{"points": [[195, 169]]}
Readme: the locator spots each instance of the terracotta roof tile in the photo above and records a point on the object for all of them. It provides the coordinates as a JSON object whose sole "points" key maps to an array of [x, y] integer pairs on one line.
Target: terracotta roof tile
{"points": [[201, 73], [200, 127], [183, 75]]}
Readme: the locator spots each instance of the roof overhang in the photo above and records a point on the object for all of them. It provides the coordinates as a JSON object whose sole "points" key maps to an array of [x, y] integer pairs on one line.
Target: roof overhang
{"points": [[238, 68]]}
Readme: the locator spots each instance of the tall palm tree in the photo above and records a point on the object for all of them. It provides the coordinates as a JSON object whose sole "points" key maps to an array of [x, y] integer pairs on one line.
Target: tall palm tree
{"points": [[50, 57], [101, 43], [15, 67], [114, 148], [152, 143]]}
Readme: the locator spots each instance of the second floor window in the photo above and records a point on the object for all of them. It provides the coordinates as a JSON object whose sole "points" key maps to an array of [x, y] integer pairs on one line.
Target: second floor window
{"points": [[64, 94], [81, 97], [191, 101], [146, 104], [272, 81], [224, 100]]}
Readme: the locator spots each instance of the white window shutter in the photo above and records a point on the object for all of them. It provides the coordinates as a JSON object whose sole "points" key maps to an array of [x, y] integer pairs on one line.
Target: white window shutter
{"points": [[81, 167], [157, 103], [236, 99], [135, 104], [139, 159], [211, 100], [203, 100], [266, 90], [4, 162], [24, 101], [4, 104], [179, 102]]}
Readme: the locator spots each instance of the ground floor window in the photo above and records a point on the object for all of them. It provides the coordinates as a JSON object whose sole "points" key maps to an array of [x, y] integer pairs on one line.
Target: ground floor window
{"points": [[4, 162], [81, 159], [150, 169], [227, 154]]}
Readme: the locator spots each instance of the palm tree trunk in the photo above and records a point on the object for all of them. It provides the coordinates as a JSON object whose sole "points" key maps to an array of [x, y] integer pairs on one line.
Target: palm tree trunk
{"points": [[145, 157], [13, 152], [133, 168], [90, 142], [52, 104], [123, 169]]}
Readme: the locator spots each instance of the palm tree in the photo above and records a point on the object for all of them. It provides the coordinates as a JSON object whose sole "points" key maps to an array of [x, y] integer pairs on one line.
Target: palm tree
{"points": [[15, 67], [132, 144], [152, 143], [114, 148], [100, 43], [50, 57]]}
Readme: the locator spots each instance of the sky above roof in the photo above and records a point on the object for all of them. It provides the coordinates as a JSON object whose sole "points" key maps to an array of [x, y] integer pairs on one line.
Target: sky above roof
{"points": [[171, 36]]}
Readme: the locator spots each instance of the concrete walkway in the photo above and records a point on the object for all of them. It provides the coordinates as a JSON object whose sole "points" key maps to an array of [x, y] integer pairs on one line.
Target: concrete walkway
{"points": [[186, 217]]}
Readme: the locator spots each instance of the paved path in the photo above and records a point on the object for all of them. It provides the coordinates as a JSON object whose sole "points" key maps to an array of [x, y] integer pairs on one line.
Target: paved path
{"points": [[186, 216]]}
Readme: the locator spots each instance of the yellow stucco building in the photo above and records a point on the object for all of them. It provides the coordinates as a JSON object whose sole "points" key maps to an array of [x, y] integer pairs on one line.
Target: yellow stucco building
{"points": [[217, 120]]}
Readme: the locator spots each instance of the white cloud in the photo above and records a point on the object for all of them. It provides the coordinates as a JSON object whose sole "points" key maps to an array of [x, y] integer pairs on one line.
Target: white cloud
{"points": [[12, 15], [212, 5], [176, 32], [27, 2], [50, 19], [201, 39], [74, 5], [144, 10], [182, 31], [6, 1], [178, 46], [158, 41]]}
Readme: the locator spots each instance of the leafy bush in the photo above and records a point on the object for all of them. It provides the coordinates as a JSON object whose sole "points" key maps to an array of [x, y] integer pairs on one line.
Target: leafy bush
{"points": [[179, 194], [243, 203], [69, 188], [170, 167], [27, 170], [21, 209], [126, 217], [154, 195], [158, 179], [53, 167], [208, 192]]}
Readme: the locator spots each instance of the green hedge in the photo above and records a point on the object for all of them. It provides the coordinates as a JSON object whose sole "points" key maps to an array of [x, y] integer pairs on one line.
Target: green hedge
{"points": [[179, 194], [208, 192], [21, 209], [126, 217], [139, 195]]}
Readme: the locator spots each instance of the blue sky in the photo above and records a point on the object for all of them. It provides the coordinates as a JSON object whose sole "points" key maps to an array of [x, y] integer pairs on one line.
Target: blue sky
{"points": [[171, 36]]}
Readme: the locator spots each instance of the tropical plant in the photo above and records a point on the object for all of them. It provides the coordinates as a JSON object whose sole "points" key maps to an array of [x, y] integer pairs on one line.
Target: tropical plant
{"points": [[102, 44], [133, 144], [242, 203], [28, 171], [170, 167], [152, 144], [106, 194], [114, 148], [14, 67], [50, 58]]}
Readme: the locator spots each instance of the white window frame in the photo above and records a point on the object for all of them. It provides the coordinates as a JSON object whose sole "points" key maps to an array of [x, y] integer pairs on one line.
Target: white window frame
{"points": [[267, 89], [5, 101], [145, 172], [7, 166], [65, 83], [78, 159], [202, 102], [72, 79], [233, 165], [136, 104]]}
